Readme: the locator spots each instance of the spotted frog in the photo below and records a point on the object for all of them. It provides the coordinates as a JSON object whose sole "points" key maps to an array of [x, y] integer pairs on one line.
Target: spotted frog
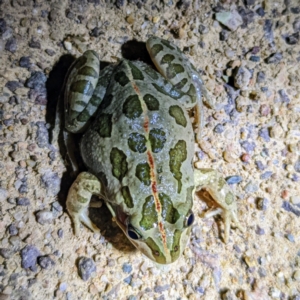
{"points": [[138, 146]]}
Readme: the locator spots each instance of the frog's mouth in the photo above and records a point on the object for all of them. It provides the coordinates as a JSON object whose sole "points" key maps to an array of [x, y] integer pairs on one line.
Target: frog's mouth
{"points": [[121, 219]]}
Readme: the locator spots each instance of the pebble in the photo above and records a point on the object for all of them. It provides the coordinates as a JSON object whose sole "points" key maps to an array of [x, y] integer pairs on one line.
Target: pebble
{"points": [[248, 146], [126, 268], [264, 134], [290, 237], [35, 44], [46, 262], [68, 45], [23, 201], [231, 19], [284, 96], [12, 229], [161, 288], [11, 45], [3, 194], [96, 32], [51, 181], [42, 135], [50, 52], [242, 78], [36, 81], [259, 230], [251, 187], [86, 266], [292, 39], [269, 35], [44, 217], [6, 253], [13, 85], [24, 62], [291, 208], [262, 204], [296, 275], [29, 255], [274, 58], [234, 179]]}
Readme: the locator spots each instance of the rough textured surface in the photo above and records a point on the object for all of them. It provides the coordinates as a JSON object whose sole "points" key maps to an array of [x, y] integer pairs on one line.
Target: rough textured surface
{"points": [[252, 137]]}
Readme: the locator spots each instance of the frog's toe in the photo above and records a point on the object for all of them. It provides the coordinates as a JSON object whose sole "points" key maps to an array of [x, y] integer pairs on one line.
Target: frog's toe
{"points": [[229, 218], [85, 219]]}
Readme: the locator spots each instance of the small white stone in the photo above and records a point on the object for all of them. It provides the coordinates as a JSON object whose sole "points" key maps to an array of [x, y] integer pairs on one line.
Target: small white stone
{"points": [[67, 45]]}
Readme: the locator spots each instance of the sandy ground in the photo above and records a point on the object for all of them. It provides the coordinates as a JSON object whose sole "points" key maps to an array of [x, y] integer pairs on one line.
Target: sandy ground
{"points": [[249, 59]]}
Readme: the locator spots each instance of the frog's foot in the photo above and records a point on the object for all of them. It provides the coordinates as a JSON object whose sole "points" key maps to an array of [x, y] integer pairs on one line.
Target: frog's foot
{"points": [[216, 186], [79, 198]]}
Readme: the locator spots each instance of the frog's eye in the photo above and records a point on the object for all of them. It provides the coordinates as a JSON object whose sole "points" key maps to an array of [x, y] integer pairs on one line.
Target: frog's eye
{"points": [[189, 220], [132, 233]]}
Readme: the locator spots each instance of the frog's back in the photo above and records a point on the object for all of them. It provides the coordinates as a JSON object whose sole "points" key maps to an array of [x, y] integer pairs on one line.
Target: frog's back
{"points": [[141, 139]]}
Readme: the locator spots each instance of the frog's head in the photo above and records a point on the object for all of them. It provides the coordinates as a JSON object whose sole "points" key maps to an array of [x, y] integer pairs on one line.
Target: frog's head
{"points": [[161, 230]]}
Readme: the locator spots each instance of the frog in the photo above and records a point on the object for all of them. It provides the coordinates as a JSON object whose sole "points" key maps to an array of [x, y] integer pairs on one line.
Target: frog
{"points": [[138, 146]]}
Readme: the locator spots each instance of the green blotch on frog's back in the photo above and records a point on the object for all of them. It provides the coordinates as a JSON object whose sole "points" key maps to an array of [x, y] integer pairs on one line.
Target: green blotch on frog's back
{"points": [[177, 113], [125, 191], [151, 102], [121, 78], [169, 212], [142, 172], [103, 125], [137, 142], [119, 163], [178, 155], [157, 138], [136, 73], [132, 108], [149, 214]]}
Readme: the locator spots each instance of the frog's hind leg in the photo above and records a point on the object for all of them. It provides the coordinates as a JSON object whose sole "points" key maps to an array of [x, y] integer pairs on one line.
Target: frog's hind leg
{"points": [[79, 198], [213, 182]]}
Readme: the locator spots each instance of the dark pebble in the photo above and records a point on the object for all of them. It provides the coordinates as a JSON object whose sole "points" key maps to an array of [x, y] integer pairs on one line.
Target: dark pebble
{"points": [[12, 229], [260, 166], [260, 11], [23, 189], [3, 26], [31, 282], [29, 256], [262, 204], [51, 182], [284, 96], [8, 122], [23, 201], [261, 77], [11, 45], [259, 230], [128, 279], [274, 58], [202, 29], [254, 58], [35, 44], [292, 39], [219, 128], [248, 146], [6, 253], [295, 10], [24, 62], [233, 179], [295, 178], [70, 15], [13, 85], [60, 233], [264, 134], [46, 262], [96, 32], [36, 81], [161, 288], [296, 24], [249, 2], [247, 16], [50, 52], [86, 266], [291, 208], [268, 30], [42, 135], [127, 268], [237, 248], [120, 3], [224, 34]]}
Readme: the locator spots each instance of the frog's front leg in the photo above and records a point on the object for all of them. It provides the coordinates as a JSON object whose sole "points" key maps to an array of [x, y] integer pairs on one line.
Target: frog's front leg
{"points": [[79, 196], [213, 182]]}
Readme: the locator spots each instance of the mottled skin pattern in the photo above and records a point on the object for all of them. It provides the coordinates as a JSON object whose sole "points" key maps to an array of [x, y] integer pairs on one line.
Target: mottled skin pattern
{"points": [[139, 148]]}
